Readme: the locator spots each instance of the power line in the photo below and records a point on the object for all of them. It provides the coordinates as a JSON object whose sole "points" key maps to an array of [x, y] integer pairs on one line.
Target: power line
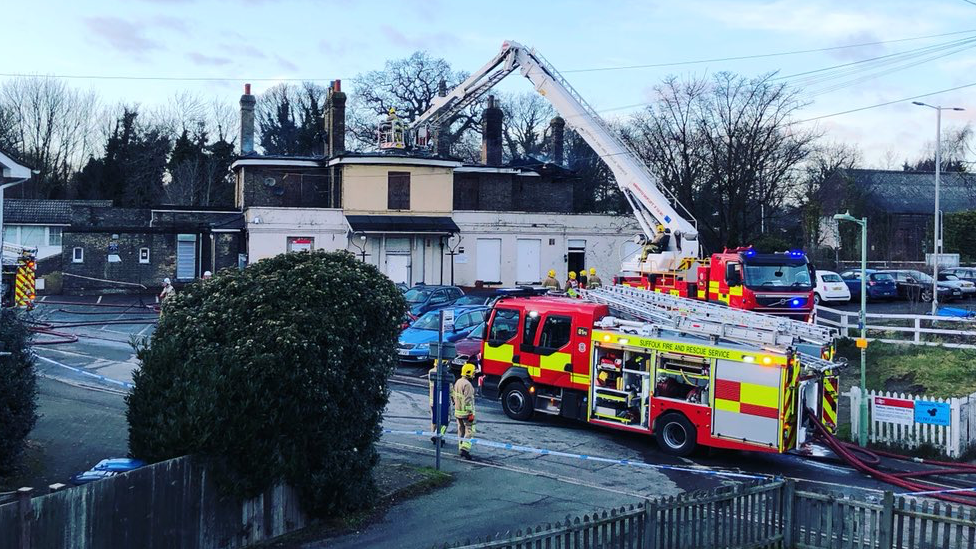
{"points": [[886, 103], [764, 55]]}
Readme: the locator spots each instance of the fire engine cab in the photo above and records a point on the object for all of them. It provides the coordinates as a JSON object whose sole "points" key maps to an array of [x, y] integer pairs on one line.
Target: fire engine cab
{"points": [[571, 358]]}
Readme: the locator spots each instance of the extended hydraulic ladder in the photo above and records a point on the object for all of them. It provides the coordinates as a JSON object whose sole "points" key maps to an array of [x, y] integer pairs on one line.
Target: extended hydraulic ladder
{"points": [[709, 319]]}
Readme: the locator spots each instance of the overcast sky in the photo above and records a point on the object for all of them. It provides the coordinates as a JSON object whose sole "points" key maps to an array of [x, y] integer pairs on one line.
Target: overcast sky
{"points": [[328, 39]]}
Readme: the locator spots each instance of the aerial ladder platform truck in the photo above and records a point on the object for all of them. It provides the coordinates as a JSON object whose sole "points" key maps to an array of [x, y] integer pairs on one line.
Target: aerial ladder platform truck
{"points": [[776, 283]]}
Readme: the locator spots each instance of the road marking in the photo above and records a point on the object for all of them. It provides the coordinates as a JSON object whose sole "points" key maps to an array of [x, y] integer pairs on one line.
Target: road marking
{"points": [[98, 301]]}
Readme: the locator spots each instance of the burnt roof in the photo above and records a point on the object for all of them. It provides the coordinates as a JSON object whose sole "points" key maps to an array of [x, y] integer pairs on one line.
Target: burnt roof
{"points": [[913, 192], [44, 211]]}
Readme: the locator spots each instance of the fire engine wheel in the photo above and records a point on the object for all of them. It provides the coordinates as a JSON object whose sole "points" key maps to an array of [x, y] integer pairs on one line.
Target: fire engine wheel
{"points": [[517, 402], [676, 435]]}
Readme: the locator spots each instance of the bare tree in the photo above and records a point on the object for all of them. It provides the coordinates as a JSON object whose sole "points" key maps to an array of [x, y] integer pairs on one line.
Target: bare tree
{"points": [[408, 85], [825, 159], [50, 125], [525, 126], [290, 119]]}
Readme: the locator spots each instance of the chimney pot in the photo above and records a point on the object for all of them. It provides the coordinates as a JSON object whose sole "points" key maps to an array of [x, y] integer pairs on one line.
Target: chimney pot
{"points": [[247, 89], [558, 126], [491, 143], [335, 120]]}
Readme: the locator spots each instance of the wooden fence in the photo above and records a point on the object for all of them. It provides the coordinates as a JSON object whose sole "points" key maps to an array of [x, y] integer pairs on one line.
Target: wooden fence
{"points": [[171, 504], [903, 328], [774, 514], [952, 439]]}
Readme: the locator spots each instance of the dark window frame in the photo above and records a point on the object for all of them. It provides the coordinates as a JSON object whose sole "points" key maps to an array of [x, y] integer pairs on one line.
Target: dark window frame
{"points": [[398, 191], [546, 324]]}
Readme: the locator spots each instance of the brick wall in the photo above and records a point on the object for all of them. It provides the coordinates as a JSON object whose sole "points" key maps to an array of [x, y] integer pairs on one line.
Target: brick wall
{"points": [[293, 187], [474, 191]]}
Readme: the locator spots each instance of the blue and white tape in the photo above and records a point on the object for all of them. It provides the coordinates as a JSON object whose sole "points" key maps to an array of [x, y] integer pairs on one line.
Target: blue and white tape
{"points": [[85, 372], [933, 492], [582, 457]]}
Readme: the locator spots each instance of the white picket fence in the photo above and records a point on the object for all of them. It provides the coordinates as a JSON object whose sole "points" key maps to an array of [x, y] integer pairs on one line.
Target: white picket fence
{"points": [[898, 328], [897, 429]]}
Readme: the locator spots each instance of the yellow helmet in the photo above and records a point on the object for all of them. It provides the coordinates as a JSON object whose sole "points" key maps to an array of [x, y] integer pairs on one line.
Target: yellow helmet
{"points": [[592, 271], [552, 273], [572, 275], [467, 370], [660, 227]]}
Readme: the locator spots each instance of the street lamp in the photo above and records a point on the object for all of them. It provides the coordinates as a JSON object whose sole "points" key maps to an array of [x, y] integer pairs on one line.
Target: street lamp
{"points": [[937, 223], [862, 342]]}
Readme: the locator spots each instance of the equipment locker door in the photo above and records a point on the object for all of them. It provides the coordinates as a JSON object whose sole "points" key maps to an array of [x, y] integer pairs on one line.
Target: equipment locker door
{"points": [[746, 402]]}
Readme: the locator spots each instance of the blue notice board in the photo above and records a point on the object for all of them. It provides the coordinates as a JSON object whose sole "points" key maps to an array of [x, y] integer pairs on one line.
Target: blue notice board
{"points": [[933, 413]]}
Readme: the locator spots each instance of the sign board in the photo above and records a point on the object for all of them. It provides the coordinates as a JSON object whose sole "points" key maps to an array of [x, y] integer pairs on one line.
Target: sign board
{"points": [[893, 410], [932, 413], [448, 350], [447, 320], [460, 259], [301, 245], [113, 247]]}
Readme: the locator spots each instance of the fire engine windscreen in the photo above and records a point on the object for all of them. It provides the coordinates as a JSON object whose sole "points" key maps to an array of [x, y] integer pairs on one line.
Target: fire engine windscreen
{"points": [[777, 274]]}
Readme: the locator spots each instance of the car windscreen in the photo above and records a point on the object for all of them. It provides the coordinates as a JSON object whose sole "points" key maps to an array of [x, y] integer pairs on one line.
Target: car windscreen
{"points": [[949, 277], [478, 333], [881, 277], [770, 276], [920, 277], [471, 300], [831, 277], [428, 322], [414, 295]]}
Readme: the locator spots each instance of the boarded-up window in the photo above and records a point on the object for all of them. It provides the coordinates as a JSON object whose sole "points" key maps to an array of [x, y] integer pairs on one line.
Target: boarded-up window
{"points": [[489, 260], [186, 256], [398, 191]]}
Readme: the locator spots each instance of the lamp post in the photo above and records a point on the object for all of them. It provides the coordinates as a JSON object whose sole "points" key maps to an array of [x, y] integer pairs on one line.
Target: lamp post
{"points": [[938, 221], [862, 342]]}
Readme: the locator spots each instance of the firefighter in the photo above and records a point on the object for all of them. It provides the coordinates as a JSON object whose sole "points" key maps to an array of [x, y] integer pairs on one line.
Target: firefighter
{"points": [[551, 282], [593, 281], [464, 409], [444, 411], [582, 279], [572, 285], [168, 290]]}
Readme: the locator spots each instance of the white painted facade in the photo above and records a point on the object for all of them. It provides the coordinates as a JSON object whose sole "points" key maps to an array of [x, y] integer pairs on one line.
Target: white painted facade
{"points": [[492, 247]]}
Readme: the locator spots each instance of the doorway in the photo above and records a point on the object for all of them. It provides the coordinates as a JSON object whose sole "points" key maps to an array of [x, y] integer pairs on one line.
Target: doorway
{"points": [[398, 268], [576, 255]]}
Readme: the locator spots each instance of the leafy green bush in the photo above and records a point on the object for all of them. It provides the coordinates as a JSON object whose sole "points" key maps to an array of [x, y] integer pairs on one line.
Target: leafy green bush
{"points": [[18, 389], [275, 372]]}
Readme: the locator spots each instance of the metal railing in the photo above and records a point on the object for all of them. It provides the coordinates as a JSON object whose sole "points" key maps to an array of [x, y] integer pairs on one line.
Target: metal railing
{"points": [[904, 328]]}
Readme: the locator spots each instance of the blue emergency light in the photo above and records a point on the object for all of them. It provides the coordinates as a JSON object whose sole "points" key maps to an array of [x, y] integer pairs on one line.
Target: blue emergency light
{"points": [[749, 253], [797, 302], [796, 253]]}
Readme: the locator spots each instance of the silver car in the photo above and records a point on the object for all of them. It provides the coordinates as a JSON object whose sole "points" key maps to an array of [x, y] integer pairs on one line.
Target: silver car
{"points": [[967, 288]]}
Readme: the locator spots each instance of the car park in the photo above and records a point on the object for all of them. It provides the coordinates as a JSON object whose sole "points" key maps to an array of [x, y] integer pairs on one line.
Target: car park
{"points": [[830, 287], [917, 286], [422, 298], [413, 345], [967, 287], [964, 273], [880, 285]]}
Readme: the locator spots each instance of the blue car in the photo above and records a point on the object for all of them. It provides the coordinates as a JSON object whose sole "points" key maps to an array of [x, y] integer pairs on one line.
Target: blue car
{"points": [[880, 285], [422, 298], [413, 346]]}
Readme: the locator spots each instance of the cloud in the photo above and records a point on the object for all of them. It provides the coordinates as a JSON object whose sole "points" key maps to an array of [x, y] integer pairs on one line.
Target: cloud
{"points": [[432, 41], [863, 52], [122, 35], [285, 63], [174, 23], [208, 60], [242, 50]]}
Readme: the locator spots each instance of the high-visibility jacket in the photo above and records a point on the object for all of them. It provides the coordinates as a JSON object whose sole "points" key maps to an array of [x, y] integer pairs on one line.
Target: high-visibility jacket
{"points": [[551, 282], [463, 398], [594, 282]]}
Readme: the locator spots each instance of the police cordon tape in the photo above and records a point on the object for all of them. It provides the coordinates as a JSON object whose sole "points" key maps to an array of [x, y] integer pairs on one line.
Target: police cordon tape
{"points": [[582, 457], [931, 492], [85, 372]]}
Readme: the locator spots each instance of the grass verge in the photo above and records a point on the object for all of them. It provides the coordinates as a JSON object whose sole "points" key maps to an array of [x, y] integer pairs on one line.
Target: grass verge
{"points": [[921, 370]]}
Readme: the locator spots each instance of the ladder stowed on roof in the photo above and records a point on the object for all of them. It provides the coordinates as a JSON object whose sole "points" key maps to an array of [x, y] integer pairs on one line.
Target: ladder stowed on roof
{"points": [[709, 319]]}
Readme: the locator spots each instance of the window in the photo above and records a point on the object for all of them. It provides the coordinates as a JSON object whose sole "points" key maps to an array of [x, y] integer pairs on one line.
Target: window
{"points": [[527, 265], [143, 255], [54, 236], [78, 255], [455, 292], [830, 277], [398, 191], [528, 331], [33, 236], [440, 297], [463, 321], [555, 332], [504, 326], [186, 256], [11, 233], [733, 273], [300, 243]]}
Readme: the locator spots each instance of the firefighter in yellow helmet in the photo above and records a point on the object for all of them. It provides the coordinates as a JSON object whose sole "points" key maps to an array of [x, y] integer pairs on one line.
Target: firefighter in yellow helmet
{"points": [[572, 285], [551, 282], [593, 281], [464, 409]]}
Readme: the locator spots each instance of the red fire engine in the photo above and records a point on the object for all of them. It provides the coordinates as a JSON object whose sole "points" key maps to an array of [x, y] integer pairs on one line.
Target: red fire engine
{"points": [[571, 358]]}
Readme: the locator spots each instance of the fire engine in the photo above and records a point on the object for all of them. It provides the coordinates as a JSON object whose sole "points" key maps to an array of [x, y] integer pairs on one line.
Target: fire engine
{"points": [[742, 278], [687, 372], [17, 271]]}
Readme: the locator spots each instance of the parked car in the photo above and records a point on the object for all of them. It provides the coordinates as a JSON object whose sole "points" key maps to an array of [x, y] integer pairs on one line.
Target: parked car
{"points": [[916, 285], [967, 288], [830, 287], [879, 285], [402, 286], [469, 350], [477, 297], [422, 298], [964, 273], [413, 346]]}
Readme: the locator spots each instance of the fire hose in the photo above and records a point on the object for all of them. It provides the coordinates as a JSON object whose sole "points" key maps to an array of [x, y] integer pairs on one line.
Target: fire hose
{"points": [[903, 479]]}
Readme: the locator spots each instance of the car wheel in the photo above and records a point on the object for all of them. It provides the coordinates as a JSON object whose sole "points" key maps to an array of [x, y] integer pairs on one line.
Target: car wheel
{"points": [[517, 402], [926, 296], [676, 435], [816, 298]]}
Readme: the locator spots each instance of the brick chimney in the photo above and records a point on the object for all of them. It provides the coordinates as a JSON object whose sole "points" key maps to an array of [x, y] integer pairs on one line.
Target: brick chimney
{"points": [[335, 120], [441, 139], [491, 141], [247, 121], [558, 127]]}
